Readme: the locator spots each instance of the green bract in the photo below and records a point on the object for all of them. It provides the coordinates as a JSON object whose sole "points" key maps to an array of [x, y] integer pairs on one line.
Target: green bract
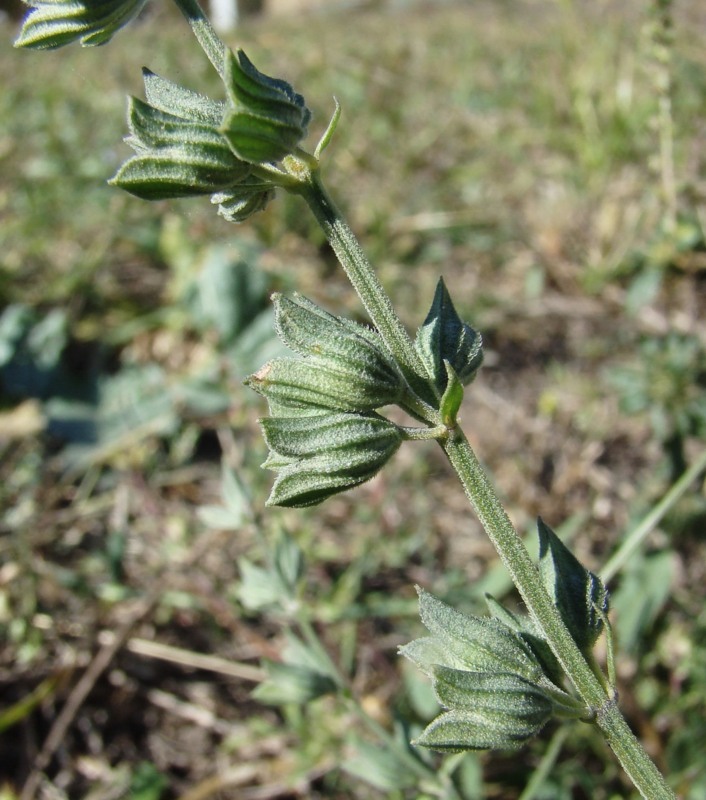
{"points": [[54, 23], [266, 119], [452, 398], [444, 337], [488, 677], [579, 595]]}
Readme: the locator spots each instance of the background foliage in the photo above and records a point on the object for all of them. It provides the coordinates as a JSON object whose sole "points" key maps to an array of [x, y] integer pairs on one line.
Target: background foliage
{"points": [[510, 147]]}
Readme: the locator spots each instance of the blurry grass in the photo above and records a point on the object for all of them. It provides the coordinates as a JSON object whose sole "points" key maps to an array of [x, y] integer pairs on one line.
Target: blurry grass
{"points": [[506, 146]]}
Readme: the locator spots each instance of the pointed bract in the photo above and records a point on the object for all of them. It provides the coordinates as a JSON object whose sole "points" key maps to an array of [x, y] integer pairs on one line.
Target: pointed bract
{"points": [[477, 643], [576, 591], [445, 337]]}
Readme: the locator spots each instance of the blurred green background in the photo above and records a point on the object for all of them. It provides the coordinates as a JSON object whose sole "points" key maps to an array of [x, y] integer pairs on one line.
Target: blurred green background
{"points": [[514, 147]]}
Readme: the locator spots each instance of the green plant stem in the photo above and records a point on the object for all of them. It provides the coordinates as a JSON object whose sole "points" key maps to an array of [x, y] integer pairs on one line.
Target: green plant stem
{"points": [[637, 764], [525, 575], [204, 33], [522, 569], [631, 542], [370, 290]]}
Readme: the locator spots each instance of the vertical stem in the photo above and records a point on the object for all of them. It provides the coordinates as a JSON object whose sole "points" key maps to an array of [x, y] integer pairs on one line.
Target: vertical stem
{"points": [[522, 569], [631, 754], [204, 33], [486, 504], [366, 283], [484, 500], [635, 761]]}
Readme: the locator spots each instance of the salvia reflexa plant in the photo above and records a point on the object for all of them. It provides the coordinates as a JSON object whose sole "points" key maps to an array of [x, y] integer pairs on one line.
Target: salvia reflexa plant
{"points": [[500, 678]]}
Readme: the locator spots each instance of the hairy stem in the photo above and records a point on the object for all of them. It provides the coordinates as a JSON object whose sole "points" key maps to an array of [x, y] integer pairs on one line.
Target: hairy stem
{"points": [[370, 290], [525, 575], [204, 33]]}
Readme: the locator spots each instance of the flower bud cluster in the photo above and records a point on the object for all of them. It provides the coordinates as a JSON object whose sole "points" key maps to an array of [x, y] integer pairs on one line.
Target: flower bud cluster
{"points": [[486, 676], [187, 144], [324, 434], [180, 152]]}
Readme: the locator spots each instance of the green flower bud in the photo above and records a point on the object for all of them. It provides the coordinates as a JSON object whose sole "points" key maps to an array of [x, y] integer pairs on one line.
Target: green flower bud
{"points": [[181, 152], [345, 367], [352, 356], [266, 119], [317, 456], [54, 23], [323, 384], [487, 710], [176, 156], [475, 644]]}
